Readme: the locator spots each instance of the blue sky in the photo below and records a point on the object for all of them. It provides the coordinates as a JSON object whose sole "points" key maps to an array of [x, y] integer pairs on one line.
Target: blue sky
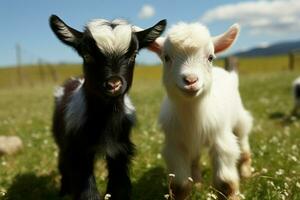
{"points": [[26, 22]]}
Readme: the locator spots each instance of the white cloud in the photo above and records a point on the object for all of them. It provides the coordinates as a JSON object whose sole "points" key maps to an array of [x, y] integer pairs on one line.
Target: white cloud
{"points": [[264, 45], [271, 17], [146, 12]]}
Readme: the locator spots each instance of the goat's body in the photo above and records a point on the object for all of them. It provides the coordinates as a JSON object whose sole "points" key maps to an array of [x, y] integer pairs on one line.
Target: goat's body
{"points": [[84, 125], [95, 114], [212, 120]]}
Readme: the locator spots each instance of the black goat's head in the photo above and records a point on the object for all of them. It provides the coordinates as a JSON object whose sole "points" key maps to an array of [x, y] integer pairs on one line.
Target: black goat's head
{"points": [[108, 50]]}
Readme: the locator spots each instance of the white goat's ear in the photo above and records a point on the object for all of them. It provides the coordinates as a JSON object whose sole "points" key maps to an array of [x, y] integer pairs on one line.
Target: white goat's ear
{"points": [[64, 33], [225, 40], [157, 46]]}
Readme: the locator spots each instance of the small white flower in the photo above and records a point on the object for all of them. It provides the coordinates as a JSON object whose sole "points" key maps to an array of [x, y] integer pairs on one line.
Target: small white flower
{"points": [[279, 172], [167, 196], [172, 175], [271, 183], [212, 196], [294, 158], [282, 196], [158, 156], [107, 197], [264, 170], [288, 179], [241, 195]]}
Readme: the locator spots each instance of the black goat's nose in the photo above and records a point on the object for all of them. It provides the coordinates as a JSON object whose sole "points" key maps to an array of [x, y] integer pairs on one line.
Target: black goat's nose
{"points": [[113, 84], [190, 79]]}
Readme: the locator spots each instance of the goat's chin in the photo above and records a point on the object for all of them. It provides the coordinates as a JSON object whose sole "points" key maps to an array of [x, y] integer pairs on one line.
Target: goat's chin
{"points": [[187, 93]]}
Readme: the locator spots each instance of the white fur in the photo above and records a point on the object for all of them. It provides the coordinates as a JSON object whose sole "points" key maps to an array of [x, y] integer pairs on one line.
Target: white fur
{"points": [[178, 40], [58, 93], [108, 39], [75, 110], [213, 117], [129, 108]]}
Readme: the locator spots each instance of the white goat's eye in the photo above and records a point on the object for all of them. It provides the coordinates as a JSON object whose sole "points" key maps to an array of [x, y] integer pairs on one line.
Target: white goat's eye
{"points": [[210, 58], [167, 58]]}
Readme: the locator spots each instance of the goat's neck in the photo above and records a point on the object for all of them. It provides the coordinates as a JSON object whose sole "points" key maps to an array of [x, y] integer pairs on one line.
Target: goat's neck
{"points": [[190, 107], [100, 103]]}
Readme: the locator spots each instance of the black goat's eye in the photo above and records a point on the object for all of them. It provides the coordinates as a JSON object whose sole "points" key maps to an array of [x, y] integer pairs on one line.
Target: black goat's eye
{"points": [[167, 58], [210, 58]]}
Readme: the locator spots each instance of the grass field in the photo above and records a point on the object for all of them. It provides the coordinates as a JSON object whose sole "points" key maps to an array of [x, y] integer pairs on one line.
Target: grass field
{"points": [[266, 90]]}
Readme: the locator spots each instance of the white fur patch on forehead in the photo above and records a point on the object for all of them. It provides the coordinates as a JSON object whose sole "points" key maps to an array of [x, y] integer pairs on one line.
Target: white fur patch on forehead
{"points": [[188, 37], [111, 37]]}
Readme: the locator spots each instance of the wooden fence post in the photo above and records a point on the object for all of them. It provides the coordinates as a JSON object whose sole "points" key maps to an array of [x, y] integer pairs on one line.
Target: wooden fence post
{"points": [[291, 60], [19, 65], [53, 72], [41, 70], [231, 63]]}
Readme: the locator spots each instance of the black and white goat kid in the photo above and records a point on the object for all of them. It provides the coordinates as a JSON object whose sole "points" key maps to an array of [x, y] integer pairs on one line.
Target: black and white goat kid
{"points": [[94, 114]]}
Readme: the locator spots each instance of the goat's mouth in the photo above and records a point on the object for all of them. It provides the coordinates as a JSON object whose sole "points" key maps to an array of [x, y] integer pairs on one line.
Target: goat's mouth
{"points": [[115, 91], [191, 91]]}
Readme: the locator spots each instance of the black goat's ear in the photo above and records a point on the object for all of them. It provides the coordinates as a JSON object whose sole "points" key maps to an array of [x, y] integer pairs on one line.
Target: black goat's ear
{"points": [[65, 33], [147, 37]]}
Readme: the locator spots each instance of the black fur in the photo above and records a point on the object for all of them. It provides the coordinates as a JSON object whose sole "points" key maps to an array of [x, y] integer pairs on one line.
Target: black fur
{"points": [[297, 91], [106, 124]]}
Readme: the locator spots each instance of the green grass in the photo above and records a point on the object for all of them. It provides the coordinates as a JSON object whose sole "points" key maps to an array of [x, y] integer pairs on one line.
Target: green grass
{"points": [[32, 174]]}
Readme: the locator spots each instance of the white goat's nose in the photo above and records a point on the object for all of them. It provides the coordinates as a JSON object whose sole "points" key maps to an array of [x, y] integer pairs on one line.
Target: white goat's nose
{"points": [[190, 79]]}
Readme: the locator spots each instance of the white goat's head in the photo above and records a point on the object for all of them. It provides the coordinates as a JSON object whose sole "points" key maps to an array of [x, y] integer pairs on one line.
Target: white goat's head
{"points": [[187, 53]]}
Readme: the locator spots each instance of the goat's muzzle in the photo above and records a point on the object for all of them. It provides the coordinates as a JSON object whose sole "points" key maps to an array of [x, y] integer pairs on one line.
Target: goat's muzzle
{"points": [[113, 86], [190, 87], [190, 80]]}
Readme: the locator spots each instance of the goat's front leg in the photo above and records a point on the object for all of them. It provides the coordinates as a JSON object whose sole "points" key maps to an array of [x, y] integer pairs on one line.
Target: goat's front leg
{"points": [[119, 184], [225, 154], [179, 164], [79, 166], [196, 171]]}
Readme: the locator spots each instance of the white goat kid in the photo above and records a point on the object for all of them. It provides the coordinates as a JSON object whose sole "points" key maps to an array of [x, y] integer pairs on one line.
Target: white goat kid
{"points": [[202, 108]]}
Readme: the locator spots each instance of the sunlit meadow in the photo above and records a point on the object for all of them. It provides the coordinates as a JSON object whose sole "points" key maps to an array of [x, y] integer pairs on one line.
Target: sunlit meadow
{"points": [[265, 86]]}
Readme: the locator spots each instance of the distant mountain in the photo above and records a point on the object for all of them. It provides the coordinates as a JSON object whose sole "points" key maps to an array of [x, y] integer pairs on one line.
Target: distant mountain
{"points": [[274, 49]]}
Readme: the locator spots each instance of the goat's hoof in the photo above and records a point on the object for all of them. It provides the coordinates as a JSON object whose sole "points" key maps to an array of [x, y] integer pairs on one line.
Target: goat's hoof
{"points": [[90, 196], [245, 171], [197, 177], [245, 165], [234, 197], [230, 197], [198, 186], [181, 192]]}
